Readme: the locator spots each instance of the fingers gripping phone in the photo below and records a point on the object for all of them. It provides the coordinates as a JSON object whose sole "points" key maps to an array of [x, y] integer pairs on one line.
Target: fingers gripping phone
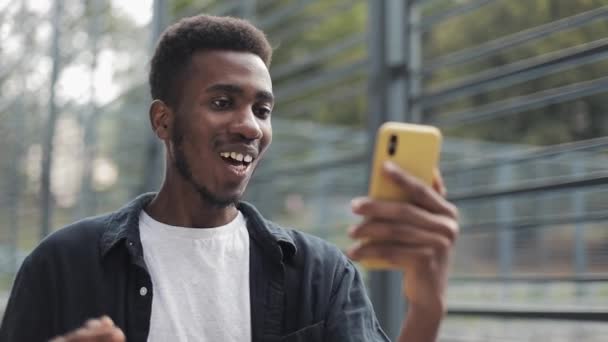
{"points": [[414, 148]]}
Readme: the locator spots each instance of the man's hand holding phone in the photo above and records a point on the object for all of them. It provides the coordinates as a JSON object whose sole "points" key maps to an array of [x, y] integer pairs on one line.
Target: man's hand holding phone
{"points": [[415, 236], [408, 224]]}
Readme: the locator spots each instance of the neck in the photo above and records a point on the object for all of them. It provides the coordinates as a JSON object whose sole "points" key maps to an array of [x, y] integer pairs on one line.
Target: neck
{"points": [[178, 204]]}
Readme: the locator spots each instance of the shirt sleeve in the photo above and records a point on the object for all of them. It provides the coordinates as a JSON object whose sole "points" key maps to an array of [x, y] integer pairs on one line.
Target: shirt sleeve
{"points": [[25, 317], [351, 316]]}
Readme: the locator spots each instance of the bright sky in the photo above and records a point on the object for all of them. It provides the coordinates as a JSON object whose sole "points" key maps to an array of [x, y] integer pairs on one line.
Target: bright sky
{"points": [[139, 10], [74, 78], [70, 85], [74, 85]]}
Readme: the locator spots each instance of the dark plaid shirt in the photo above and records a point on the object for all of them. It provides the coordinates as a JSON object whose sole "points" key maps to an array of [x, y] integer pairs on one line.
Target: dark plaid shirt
{"points": [[302, 288]]}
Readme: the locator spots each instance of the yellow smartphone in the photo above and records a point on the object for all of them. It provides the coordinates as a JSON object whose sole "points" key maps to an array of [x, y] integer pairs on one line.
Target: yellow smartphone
{"points": [[414, 148]]}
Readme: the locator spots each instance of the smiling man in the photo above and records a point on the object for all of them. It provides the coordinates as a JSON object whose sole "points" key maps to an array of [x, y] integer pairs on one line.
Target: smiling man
{"points": [[194, 263]]}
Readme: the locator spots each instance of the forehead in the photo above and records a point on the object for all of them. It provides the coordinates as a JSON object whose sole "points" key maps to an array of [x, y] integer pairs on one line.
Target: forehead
{"points": [[229, 67]]}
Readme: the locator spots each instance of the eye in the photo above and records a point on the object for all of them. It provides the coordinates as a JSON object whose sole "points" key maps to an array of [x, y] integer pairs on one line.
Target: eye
{"points": [[221, 103], [262, 111]]}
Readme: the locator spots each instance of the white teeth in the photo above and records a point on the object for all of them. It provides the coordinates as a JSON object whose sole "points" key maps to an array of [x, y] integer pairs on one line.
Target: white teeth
{"points": [[237, 156]]}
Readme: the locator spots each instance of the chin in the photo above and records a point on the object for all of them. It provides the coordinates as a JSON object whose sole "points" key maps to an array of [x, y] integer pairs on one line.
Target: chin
{"points": [[219, 200]]}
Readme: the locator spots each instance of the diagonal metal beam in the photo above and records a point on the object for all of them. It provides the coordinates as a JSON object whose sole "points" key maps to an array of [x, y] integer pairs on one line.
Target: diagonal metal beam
{"points": [[495, 46], [523, 103]]}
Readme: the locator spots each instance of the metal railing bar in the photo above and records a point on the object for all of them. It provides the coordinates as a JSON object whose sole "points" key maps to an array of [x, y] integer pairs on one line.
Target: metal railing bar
{"points": [[299, 87], [423, 2], [331, 131], [264, 3], [308, 60], [295, 29], [535, 278], [278, 15], [517, 72], [518, 157], [427, 22], [300, 169], [197, 9], [504, 311], [504, 43], [219, 9], [523, 103], [523, 224], [341, 95], [226, 8], [528, 187]]}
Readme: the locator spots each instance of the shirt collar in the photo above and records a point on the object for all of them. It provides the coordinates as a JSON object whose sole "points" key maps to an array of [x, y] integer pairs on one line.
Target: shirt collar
{"points": [[268, 234], [124, 226]]}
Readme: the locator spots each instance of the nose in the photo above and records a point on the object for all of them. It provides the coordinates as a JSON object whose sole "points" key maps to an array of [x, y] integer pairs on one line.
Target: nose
{"points": [[246, 125]]}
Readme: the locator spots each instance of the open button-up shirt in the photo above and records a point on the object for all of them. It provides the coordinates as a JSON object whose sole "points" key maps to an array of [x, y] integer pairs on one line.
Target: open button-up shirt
{"points": [[301, 287]]}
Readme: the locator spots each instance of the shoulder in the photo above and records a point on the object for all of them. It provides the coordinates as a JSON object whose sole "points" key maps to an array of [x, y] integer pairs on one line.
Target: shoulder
{"points": [[312, 246], [297, 246], [78, 238]]}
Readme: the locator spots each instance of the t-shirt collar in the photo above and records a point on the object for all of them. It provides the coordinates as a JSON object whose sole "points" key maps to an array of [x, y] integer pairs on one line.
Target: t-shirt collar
{"points": [[123, 225]]}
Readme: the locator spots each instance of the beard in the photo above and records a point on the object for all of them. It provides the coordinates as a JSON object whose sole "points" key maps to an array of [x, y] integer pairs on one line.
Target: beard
{"points": [[184, 169]]}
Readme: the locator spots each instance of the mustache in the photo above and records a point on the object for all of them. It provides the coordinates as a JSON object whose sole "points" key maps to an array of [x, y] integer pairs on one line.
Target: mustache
{"points": [[251, 145]]}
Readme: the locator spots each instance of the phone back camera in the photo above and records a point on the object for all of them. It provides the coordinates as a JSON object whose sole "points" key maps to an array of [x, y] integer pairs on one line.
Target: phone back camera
{"points": [[392, 145]]}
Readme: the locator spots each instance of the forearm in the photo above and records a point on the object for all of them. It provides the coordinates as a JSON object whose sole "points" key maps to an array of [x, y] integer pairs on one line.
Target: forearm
{"points": [[421, 325]]}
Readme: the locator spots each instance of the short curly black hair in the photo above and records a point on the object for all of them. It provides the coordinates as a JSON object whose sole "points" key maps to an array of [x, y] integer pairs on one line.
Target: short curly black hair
{"points": [[181, 40]]}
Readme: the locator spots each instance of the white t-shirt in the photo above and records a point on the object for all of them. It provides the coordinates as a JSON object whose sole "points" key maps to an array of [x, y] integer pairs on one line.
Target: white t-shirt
{"points": [[200, 279]]}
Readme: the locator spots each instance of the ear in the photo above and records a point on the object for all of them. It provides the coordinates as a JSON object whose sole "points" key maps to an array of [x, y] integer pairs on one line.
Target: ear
{"points": [[161, 119]]}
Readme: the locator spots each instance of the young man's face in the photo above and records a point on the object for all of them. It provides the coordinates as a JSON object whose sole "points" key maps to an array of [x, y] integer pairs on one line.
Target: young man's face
{"points": [[222, 123]]}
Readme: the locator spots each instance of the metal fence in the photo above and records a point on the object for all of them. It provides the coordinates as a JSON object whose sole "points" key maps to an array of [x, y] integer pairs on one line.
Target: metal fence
{"points": [[533, 238], [533, 245]]}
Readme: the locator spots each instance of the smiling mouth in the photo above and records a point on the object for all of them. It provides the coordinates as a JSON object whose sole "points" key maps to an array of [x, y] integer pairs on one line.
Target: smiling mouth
{"points": [[238, 162]]}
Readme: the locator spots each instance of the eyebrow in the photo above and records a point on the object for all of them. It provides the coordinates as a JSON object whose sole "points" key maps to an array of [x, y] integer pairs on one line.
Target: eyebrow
{"points": [[234, 89]]}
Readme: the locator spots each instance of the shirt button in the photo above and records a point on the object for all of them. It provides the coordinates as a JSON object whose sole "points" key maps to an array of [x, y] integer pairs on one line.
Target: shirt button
{"points": [[143, 291]]}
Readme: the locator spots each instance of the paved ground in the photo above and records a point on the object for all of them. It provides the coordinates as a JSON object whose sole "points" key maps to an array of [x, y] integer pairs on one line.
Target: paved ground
{"points": [[494, 330]]}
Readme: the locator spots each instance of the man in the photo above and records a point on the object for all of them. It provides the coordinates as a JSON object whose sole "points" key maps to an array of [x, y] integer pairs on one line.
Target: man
{"points": [[192, 262]]}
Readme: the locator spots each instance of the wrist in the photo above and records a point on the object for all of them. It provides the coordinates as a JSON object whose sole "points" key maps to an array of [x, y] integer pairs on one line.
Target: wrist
{"points": [[428, 316], [422, 323], [432, 311]]}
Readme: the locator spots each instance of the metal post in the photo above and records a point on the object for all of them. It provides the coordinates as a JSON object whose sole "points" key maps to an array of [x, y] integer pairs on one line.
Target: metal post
{"points": [[580, 249], [396, 49], [543, 170], [378, 281], [15, 183], [378, 75], [88, 201], [153, 161], [414, 48], [159, 20], [390, 49], [323, 186], [46, 200], [505, 232]]}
